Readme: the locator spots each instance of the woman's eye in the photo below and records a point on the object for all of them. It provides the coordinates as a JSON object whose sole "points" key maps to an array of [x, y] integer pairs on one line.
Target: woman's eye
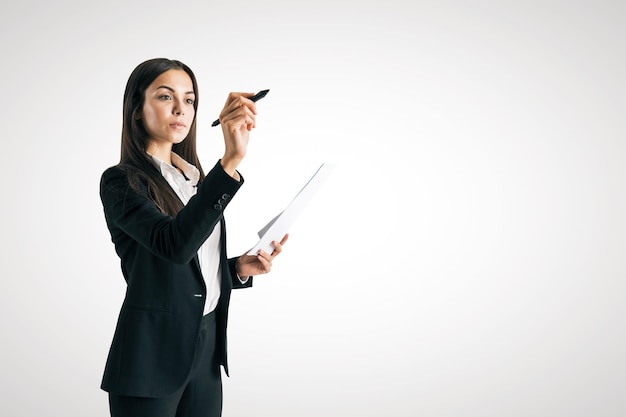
{"points": [[165, 97], [189, 101]]}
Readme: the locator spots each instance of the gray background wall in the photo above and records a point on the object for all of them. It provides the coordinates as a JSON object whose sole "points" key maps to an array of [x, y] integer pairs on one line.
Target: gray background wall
{"points": [[466, 257]]}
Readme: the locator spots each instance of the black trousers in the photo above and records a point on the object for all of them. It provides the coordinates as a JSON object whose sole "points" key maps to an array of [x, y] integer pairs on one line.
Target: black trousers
{"points": [[200, 396]]}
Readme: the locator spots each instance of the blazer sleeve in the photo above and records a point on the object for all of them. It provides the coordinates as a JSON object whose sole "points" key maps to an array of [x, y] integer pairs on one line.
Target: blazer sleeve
{"points": [[232, 262], [177, 239]]}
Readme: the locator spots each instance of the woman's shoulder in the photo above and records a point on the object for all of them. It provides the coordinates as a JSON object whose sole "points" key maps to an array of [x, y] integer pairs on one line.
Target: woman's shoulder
{"points": [[115, 172], [115, 169], [121, 176], [124, 169]]}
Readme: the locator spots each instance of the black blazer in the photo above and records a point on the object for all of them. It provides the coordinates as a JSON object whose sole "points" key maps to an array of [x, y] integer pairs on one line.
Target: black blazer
{"points": [[158, 326]]}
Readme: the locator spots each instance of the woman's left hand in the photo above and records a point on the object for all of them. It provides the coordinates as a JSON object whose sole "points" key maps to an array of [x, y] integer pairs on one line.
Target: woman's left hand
{"points": [[248, 265]]}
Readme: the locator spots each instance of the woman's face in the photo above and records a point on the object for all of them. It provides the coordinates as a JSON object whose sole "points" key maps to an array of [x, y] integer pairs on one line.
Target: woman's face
{"points": [[168, 110]]}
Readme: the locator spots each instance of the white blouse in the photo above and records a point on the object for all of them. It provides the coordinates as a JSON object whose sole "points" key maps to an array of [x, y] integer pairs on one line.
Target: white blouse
{"points": [[185, 186]]}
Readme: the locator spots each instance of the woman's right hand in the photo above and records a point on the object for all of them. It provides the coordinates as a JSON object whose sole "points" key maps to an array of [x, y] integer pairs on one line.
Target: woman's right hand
{"points": [[237, 119]]}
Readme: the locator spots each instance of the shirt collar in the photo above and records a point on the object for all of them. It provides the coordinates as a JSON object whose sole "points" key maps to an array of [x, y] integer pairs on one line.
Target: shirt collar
{"points": [[190, 171]]}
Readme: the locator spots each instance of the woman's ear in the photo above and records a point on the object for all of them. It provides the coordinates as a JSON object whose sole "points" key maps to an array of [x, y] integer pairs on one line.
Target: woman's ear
{"points": [[137, 115]]}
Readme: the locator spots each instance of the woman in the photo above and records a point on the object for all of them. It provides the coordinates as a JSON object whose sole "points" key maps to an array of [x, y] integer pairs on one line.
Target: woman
{"points": [[166, 220]]}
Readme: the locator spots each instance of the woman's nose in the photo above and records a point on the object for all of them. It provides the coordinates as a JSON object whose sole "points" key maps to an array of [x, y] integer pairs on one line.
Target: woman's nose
{"points": [[178, 109]]}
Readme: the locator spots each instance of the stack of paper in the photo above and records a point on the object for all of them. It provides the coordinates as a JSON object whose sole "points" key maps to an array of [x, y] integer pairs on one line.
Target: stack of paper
{"points": [[279, 225]]}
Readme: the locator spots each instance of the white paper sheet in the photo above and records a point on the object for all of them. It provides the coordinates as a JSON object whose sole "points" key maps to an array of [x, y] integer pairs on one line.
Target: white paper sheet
{"points": [[280, 225]]}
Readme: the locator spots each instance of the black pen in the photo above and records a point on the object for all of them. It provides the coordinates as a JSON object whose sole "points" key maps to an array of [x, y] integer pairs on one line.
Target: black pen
{"points": [[256, 97]]}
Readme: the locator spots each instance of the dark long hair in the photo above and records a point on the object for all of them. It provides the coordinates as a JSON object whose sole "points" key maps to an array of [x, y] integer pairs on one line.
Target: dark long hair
{"points": [[142, 174]]}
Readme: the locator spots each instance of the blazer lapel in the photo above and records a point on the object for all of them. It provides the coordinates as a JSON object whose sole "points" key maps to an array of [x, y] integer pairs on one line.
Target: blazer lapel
{"points": [[226, 279], [223, 260]]}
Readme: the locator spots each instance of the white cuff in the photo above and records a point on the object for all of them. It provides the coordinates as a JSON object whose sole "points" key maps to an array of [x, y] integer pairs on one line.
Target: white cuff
{"points": [[242, 280]]}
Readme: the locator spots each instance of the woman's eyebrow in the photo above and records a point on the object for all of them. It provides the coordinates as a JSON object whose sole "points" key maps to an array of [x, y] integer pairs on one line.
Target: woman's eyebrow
{"points": [[172, 90]]}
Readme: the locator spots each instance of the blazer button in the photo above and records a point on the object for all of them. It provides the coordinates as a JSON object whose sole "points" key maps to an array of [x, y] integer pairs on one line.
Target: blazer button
{"points": [[226, 197], [218, 207]]}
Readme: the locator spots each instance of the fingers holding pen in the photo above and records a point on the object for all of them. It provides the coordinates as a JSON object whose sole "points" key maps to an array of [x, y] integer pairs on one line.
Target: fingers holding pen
{"points": [[238, 118], [235, 96], [239, 110]]}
